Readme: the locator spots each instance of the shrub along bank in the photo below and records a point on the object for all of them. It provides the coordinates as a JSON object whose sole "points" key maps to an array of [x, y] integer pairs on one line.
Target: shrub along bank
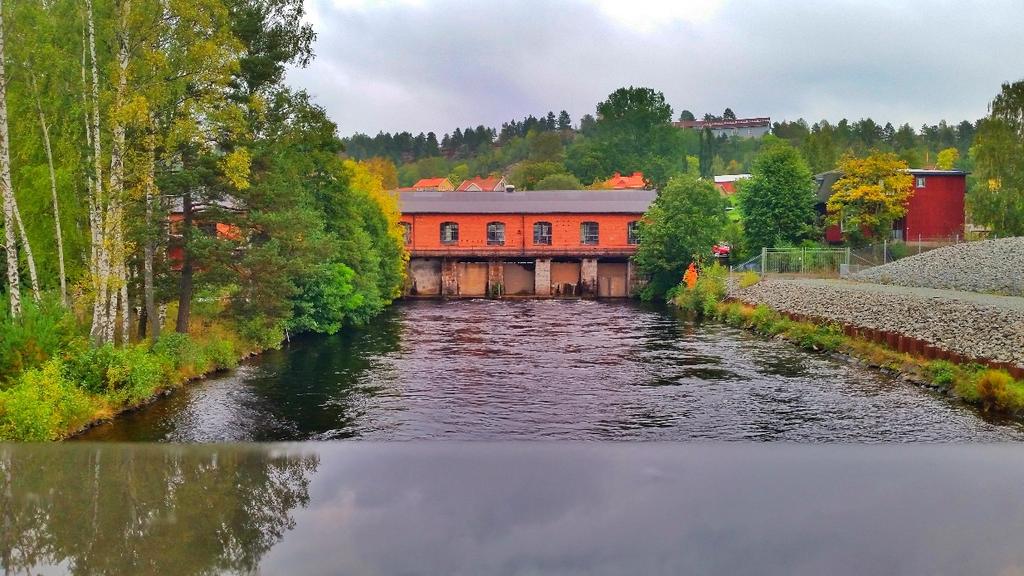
{"points": [[54, 382], [990, 389]]}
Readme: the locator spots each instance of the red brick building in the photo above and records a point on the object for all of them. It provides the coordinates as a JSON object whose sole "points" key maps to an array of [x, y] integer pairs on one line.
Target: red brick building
{"points": [[202, 224], [935, 210], [545, 242]]}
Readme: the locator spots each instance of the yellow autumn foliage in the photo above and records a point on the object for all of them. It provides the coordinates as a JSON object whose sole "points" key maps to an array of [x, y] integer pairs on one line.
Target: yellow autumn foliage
{"points": [[235, 167], [947, 158], [384, 169], [872, 193], [366, 179]]}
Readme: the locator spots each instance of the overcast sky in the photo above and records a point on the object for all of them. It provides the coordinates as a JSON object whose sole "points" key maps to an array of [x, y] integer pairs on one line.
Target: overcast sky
{"points": [[423, 65]]}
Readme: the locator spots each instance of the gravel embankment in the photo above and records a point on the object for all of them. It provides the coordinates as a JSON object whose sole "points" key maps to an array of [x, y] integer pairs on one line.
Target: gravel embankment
{"points": [[991, 266], [973, 325]]}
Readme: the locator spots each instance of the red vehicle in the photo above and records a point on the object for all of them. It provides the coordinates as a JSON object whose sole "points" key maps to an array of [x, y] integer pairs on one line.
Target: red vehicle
{"points": [[721, 250]]}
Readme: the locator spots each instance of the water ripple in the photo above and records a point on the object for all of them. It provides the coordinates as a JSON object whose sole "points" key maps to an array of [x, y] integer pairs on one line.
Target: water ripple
{"points": [[551, 369]]}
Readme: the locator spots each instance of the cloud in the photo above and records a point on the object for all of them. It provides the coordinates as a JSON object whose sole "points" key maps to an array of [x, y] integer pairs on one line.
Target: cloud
{"points": [[423, 65], [647, 16]]}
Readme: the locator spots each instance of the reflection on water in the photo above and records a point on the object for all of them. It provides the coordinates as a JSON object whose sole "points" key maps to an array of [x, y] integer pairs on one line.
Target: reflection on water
{"points": [[550, 369], [146, 509], [481, 508]]}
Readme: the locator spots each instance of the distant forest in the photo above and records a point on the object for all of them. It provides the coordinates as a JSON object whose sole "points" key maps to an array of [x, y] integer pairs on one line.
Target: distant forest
{"points": [[531, 149]]}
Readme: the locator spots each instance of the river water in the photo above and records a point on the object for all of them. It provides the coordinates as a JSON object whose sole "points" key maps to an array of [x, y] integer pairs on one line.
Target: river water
{"points": [[546, 370]]}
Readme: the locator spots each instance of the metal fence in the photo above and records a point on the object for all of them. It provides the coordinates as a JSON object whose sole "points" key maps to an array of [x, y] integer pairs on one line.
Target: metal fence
{"points": [[805, 261], [885, 251], [843, 261]]}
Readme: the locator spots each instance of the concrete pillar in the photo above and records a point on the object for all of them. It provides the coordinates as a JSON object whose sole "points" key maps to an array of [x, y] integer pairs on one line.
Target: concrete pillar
{"points": [[449, 277], [542, 277], [635, 281], [495, 278], [408, 283], [588, 277]]}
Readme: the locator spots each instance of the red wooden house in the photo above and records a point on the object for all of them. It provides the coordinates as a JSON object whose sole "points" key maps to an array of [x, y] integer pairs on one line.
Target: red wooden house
{"points": [[935, 210]]}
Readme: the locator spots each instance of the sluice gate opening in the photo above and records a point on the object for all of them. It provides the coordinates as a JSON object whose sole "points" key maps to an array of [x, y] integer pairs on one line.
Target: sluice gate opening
{"points": [[524, 277]]}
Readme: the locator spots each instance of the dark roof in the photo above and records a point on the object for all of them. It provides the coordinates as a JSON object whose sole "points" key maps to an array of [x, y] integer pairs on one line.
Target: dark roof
{"points": [[932, 172], [527, 202], [826, 180], [227, 203]]}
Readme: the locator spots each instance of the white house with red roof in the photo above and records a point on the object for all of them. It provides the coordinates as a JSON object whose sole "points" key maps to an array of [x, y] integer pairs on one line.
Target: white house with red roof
{"points": [[437, 184], [479, 184]]}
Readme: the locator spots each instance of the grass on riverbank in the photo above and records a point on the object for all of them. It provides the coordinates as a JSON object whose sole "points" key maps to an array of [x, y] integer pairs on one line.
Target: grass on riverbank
{"points": [[990, 389], [53, 383]]}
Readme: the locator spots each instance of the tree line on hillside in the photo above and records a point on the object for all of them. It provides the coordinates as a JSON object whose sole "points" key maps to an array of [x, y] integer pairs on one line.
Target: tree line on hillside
{"points": [[523, 151], [404, 147], [157, 174]]}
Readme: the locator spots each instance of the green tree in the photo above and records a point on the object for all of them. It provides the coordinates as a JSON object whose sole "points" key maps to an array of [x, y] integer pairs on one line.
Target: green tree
{"points": [[777, 202], [459, 173], [544, 146], [819, 147], [586, 161], [561, 181], [526, 175], [682, 224], [693, 165], [633, 132], [325, 299], [564, 121], [997, 196]]}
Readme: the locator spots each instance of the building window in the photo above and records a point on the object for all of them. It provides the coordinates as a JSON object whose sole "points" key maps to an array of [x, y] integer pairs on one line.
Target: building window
{"points": [[406, 232], [496, 234], [449, 233], [208, 228], [542, 233], [588, 233], [633, 232], [920, 182]]}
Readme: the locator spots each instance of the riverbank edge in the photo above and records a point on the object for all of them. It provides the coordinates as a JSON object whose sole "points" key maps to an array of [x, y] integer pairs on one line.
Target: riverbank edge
{"points": [[972, 382], [159, 393], [84, 386]]}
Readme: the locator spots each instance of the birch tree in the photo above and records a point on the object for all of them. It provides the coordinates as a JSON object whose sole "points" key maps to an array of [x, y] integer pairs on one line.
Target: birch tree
{"points": [[42, 158], [101, 258], [58, 232], [30, 259], [6, 191], [115, 210]]}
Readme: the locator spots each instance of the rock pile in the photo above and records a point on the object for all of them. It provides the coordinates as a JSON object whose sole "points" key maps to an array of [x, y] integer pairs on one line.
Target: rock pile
{"points": [[976, 326], [991, 266]]}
